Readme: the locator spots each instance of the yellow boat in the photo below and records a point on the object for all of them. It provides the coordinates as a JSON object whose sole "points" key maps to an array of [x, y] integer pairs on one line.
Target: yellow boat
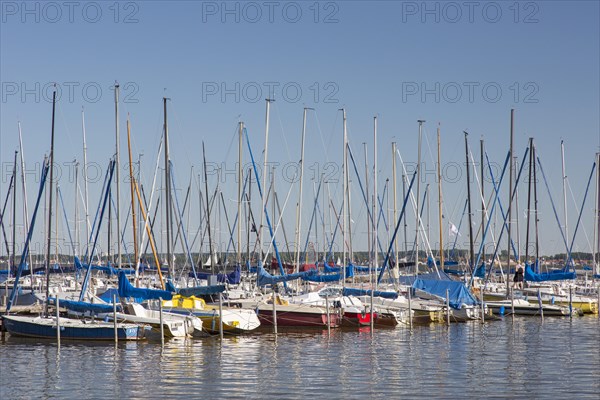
{"points": [[235, 320]]}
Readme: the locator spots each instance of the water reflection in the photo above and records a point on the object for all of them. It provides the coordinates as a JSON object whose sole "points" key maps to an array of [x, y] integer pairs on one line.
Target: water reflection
{"points": [[509, 358]]}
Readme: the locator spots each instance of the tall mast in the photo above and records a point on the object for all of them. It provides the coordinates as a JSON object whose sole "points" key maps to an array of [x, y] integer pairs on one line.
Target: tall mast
{"points": [[395, 199], [535, 202], [439, 172], [376, 215], [118, 176], [210, 249], [528, 212], [14, 214], [405, 219], [416, 256], [239, 218], [369, 228], [49, 232], [344, 189], [167, 192], [597, 216], [471, 252], [133, 220], [482, 196], [24, 187], [76, 222], [564, 187], [299, 204], [596, 252], [85, 183], [510, 185], [264, 177]]}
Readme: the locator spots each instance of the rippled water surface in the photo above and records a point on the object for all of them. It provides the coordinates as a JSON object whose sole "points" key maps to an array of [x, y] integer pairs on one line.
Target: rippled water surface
{"points": [[558, 358]]}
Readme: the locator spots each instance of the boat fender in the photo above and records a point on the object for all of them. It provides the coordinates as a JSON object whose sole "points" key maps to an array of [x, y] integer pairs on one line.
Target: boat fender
{"points": [[501, 310]]}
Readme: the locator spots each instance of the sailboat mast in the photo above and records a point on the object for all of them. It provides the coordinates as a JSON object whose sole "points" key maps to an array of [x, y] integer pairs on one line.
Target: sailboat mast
{"points": [[264, 178], [597, 241], [24, 187], [417, 225], [564, 187], [344, 189], [367, 186], [239, 217], [535, 202], [118, 167], [439, 172], [395, 211], [76, 217], [471, 251], [167, 192], [49, 232], [85, 182], [528, 212], [210, 249], [376, 214], [481, 164], [133, 208], [14, 215], [510, 185], [299, 204]]}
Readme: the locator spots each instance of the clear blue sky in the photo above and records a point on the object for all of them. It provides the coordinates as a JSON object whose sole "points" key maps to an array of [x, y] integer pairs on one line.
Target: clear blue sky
{"points": [[372, 58]]}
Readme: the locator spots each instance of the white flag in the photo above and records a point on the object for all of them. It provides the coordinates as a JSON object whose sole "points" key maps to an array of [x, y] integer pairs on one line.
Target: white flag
{"points": [[453, 230]]}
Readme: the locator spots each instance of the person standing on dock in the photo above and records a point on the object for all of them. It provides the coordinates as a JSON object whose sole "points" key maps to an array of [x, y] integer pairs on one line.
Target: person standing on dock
{"points": [[518, 279]]}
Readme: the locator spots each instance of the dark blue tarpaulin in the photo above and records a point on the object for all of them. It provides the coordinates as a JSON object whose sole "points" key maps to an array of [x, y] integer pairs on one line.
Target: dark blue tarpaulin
{"points": [[265, 278], [83, 307], [201, 290], [457, 291], [126, 289], [329, 277], [233, 278], [548, 276], [364, 292]]}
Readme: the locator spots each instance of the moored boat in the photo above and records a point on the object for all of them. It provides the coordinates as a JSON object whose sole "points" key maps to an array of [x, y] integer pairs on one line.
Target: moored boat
{"points": [[72, 329]]}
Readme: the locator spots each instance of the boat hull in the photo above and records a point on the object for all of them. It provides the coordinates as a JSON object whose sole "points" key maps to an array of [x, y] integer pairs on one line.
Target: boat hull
{"points": [[293, 318], [45, 328]]}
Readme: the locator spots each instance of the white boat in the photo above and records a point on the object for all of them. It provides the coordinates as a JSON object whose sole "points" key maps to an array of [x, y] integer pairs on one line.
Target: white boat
{"points": [[523, 307], [174, 325]]}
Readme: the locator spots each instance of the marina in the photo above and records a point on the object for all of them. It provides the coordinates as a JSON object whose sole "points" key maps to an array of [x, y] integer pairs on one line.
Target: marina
{"points": [[556, 358], [285, 200]]}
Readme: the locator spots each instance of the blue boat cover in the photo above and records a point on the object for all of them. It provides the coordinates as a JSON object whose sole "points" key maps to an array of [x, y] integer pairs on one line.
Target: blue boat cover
{"points": [[83, 306], [329, 269], [361, 268], [364, 292], [170, 286], [265, 278], [330, 277], [548, 276], [457, 291], [103, 268], [201, 290], [454, 271], [587, 268], [108, 296], [323, 278], [233, 278], [126, 289], [480, 271]]}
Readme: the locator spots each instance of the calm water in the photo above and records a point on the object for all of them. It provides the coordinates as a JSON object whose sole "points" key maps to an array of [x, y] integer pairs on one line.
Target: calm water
{"points": [[524, 358]]}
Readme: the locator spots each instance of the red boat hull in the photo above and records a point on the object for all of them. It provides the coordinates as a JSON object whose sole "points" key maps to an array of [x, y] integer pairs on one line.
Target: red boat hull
{"points": [[358, 319], [298, 319]]}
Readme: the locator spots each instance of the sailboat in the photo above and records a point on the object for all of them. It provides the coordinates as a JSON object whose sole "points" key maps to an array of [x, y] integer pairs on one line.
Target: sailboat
{"points": [[46, 326]]}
